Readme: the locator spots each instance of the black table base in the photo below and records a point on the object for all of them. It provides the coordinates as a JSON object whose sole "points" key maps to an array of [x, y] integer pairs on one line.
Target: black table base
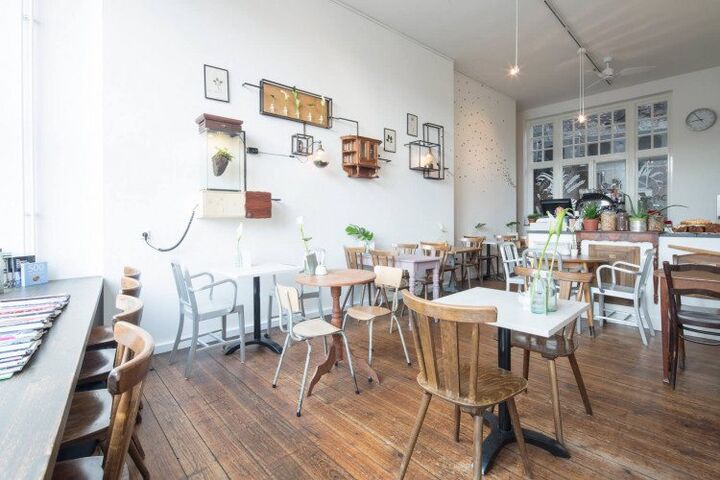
{"points": [[258, 337]]}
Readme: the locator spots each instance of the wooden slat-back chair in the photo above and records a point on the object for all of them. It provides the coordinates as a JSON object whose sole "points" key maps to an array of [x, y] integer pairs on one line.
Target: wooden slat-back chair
{"points": [[130, 286], [353, 260], [131, 272], [561, 344], [125, 382], [442, 251], [406, 248], [472, 260], [447, 345]]}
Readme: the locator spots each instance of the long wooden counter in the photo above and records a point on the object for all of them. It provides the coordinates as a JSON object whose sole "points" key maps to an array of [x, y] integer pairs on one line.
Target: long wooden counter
{"points": [[34, 403]]}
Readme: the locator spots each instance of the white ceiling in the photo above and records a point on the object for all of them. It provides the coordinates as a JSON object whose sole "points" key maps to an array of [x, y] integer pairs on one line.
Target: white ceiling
{"points": [[675, 36]]}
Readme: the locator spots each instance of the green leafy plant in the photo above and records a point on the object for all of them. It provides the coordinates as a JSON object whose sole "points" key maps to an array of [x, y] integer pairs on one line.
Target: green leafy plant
{"points": [[642, 210], [512, 225], [305, 239], [533, 216], [361, 233], [480, 226], [591, 211]]}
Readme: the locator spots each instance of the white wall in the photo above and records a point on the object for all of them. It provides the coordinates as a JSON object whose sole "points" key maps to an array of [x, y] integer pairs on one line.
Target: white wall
{"points": [[485, 177], [694, 155], [153, 54]]}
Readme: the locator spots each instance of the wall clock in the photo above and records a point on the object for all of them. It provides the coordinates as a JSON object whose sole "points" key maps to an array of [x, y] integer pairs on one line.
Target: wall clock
{"points": [[700, 119]]}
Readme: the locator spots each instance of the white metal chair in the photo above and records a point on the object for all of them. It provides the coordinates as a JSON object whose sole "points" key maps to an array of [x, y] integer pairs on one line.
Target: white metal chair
{"points": [[193, 302], [531, 257], [388, 280], [510, 260], [635, 293], [298, 328]]}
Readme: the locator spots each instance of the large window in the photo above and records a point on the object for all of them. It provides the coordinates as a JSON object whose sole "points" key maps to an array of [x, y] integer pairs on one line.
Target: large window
{"points": [[620, 149]]}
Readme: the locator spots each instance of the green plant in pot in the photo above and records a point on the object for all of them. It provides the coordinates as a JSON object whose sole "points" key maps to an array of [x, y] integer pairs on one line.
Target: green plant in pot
{"points": [[533, 217], [480, 226], [220, 161], [639, 218], [591, 216], [512, 226], [362, 234]]}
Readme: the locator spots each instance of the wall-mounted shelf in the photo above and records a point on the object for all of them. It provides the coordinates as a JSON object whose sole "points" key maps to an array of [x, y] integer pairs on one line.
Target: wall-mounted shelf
{"points": [[360, 156], [229, 204]]}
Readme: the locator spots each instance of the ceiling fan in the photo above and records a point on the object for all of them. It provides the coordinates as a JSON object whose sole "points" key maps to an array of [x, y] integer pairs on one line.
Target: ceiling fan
{"points": [[609, 74]]}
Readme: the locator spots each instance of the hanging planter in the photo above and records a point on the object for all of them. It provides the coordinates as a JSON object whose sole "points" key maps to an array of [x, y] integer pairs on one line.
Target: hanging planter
{"points": [[220, 161]]}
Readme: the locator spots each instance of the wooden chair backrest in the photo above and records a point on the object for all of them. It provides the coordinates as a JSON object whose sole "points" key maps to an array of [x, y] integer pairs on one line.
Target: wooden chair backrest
{"points": [[448, 366], [475, 242], [131, 272], [386, 276], [440, 250], [353, 257], [565, 281], [696, 258], [130, 286], [406, 248], [134, 352], [675, 294], [132, 309], [383, 257]]}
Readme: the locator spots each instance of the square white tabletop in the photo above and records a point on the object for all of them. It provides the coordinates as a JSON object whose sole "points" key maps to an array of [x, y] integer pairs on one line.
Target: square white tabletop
{"points": [[513, 315], [256, 270]]}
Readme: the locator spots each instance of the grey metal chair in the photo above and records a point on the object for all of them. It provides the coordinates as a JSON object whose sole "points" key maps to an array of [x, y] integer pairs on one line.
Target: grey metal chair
{"points": [[510, 260], [198, 304]]}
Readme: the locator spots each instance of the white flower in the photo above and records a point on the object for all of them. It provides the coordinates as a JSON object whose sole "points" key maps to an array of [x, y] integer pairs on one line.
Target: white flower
{"points": [[239, 232], [300, 220], [442, 227]]}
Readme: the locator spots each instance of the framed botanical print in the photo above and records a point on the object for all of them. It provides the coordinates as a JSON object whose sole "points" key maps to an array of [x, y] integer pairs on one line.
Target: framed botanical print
{"points": [[217, 85], [412, 125], [389, 140]]}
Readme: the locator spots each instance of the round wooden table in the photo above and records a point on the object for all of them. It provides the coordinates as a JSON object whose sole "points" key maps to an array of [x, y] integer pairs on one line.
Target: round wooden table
{"points": [[589, 263], [335, 280]]}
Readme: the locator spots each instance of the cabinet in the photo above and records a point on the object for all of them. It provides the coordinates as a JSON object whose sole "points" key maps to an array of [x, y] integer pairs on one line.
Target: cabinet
{"points": [[360, 156]]}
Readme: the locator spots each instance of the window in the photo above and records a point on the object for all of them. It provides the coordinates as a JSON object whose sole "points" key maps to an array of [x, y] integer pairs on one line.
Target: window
{"points": [[602, 134], [542, 186], [652, 125], [610, 178], [575, 181], [653, 181], [542, 142]]}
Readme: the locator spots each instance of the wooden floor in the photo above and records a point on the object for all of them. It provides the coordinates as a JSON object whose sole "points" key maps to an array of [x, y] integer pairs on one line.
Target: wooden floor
{"points": [[228, 422]]}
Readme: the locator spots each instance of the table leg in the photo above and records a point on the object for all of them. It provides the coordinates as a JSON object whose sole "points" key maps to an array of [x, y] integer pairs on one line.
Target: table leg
{"points": [[665, 330], [501, 432], [257, 331], [336, 352], [436, 281]]}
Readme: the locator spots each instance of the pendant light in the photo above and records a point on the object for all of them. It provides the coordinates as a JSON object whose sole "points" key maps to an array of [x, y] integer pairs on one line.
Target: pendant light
{"points": [[581, 118], [515, 69]]}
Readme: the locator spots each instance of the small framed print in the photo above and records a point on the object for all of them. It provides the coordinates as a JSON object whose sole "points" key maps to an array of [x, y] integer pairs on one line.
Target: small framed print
{"points": [[412, 125], [217, 85], [389, 144]]}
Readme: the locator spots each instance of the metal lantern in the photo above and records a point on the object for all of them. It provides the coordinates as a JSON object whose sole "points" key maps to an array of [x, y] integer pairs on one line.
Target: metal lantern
{"points": [[428, 155]]}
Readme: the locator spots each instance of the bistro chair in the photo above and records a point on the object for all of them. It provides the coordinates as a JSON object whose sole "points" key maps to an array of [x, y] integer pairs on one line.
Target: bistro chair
{"points": [[447, 344], [531, 259], [130, 286], [354, 261], [441, 251], [686, 319], [559, 345], [450, 266], [510, 260], [110, 419], [387, 283], [131, 272], [102, 336], [406, 248], [304, 295], [636, 293], [298, 329], [198, 303]]}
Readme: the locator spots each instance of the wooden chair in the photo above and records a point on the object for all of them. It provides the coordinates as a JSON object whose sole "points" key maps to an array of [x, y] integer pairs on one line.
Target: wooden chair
{"points": [[353, 261], [472, 260], [447, 344], [440, 250], [130, 286], [510, 260], [406, 248], [387, 281], [100, 359], [125, 382], [690, 319], [559, 345], [131, 272], [449, 266], [193, 302], [300, 329]]}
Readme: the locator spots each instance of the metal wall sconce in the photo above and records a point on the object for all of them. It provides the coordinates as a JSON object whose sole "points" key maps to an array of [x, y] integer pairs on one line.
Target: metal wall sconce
{"points": [[428, 155]]}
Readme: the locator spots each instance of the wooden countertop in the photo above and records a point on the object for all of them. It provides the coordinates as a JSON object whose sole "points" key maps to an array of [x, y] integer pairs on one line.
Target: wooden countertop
{"points": [[34, 403]]}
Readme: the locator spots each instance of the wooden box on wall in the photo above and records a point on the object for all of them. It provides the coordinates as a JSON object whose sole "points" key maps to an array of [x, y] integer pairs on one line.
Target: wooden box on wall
{"points": [[223, 204], [360, 156]]}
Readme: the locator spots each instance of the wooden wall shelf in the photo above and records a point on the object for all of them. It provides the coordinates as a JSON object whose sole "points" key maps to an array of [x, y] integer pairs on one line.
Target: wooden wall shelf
{"points": [[360, 156]]}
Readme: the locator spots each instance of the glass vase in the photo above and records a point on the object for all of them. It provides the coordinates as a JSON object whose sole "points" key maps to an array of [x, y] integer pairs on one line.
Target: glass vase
{"points": [[543, 295]]}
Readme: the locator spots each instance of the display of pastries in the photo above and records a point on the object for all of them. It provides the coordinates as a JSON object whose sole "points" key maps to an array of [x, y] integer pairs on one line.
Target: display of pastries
{"points": [[697, 221]]}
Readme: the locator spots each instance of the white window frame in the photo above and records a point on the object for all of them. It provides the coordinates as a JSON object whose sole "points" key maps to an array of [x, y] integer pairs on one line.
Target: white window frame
{"points": [[631, 154]]}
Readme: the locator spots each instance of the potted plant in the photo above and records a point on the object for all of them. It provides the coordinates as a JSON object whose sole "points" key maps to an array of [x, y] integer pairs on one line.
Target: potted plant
{"points": [[480, 226], [533, 217], [362, 234], [591, 216], [220, 161], [639, 218], [512, 226]]}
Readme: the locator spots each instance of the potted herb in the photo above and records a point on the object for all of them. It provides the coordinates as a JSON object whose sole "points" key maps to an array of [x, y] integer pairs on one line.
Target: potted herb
{"points": [[591, 216], [639, 218], [220, 161], [533, 217], [362, 234], [512, 226], [480, 226]]}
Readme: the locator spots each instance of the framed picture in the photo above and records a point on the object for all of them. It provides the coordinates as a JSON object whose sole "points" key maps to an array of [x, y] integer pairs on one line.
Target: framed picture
{"points": [[389, 144], [291, 103], [217, 85], [412, 125]]}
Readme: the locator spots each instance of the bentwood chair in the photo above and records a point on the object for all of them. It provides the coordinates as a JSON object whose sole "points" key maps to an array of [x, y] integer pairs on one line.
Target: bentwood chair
{"points": [[559, 345], [134, 352], [473, 260], [441, 251], [298, 329], [686, 319], [130, 286], [449, 266], [406, 248], [510, 260], [198, 303], [353, 261], [387, 283], [636, 293], [447, 344]]}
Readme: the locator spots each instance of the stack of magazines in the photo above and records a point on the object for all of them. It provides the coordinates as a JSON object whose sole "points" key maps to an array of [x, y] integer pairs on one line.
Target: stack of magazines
{"points": [[23, 322]]}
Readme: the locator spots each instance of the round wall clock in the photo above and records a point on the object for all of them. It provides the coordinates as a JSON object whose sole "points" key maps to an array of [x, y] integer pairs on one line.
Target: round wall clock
{"points": [[700, 119]]}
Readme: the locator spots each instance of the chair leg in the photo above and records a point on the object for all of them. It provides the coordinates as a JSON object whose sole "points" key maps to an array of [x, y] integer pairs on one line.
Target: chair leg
{"points": [[402, 339], [286, 345], [370, 341], [178, 337], [325, 346], [648, 320], [580, 383], [134, 439], [304, 379], [477, 445], [456, 417], [519, 438], [526, 364], [348, 295], [349, 360], [269, 315], [681, 352], [424, 403], [601, 307], [344, 321], [241, 317], [639, 321], [555, 395], [223, 327], [138, 460], [193, 347]]}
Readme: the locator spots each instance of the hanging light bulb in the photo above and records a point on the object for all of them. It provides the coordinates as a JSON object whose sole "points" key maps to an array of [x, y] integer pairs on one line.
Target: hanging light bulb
{"points": [[428, 160], [320, 157], [515, 69], [581, 118]]}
